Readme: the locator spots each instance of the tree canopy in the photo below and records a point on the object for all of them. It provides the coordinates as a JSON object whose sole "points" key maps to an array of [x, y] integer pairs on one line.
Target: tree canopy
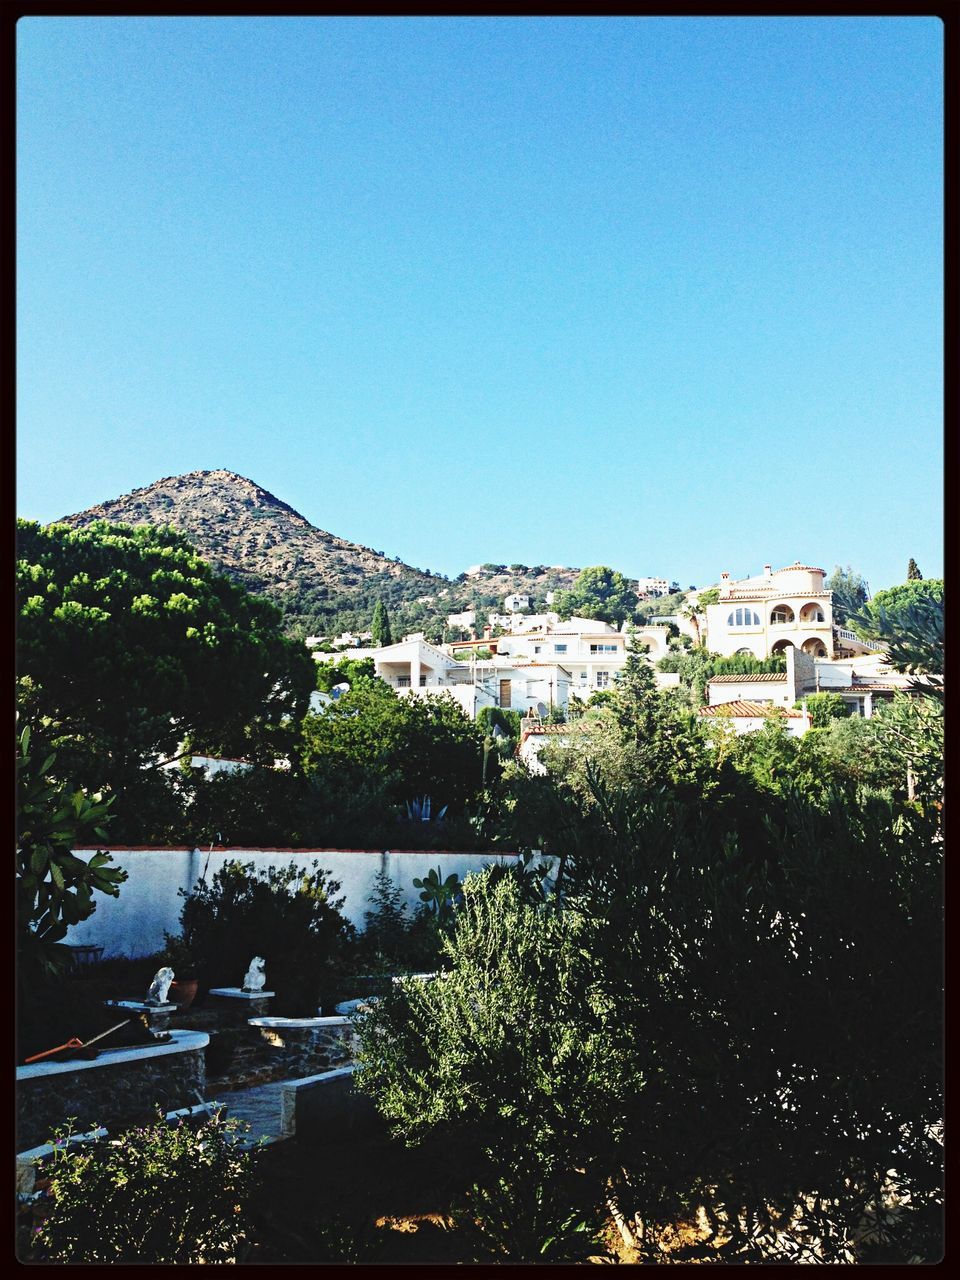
{"points": [[597, 592], [130, 643], [380, 626], [413, 745], [850, 592]]}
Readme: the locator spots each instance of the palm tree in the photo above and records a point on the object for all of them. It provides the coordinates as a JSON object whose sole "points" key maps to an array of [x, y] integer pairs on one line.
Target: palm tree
{"points": [[692, 613]]}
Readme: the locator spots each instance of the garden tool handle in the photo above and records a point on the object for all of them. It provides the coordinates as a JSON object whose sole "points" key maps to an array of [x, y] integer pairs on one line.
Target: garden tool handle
{"points": [[73, 1043]]}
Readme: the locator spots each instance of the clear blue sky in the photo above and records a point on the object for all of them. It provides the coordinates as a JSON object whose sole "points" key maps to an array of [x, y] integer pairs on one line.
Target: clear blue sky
{"points": [[663, 294]]}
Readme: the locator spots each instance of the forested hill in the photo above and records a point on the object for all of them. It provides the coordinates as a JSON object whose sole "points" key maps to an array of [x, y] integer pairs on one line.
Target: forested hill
{"points": [[321, 582]]}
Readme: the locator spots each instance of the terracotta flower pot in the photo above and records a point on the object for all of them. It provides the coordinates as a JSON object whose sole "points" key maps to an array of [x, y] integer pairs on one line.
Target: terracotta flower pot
{"points": [[182, 993]]}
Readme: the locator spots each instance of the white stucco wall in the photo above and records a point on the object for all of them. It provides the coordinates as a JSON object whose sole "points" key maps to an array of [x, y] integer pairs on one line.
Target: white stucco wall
{"points": [[149, 903], [779, 692]]}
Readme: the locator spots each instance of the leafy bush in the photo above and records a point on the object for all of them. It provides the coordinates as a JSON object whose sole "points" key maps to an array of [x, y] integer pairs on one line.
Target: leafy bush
{"points": [[54, 888], [733, 1009], [824, 707], [291, 917], [161, 1194]]}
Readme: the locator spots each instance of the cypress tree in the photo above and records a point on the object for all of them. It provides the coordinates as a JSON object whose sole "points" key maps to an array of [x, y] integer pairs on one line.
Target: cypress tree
{"points": [[380, 627], [913, 573]]}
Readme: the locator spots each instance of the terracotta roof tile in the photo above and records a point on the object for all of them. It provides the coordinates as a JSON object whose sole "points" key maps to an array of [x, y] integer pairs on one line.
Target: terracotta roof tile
{"points": [[753, 709], [761, 677]]}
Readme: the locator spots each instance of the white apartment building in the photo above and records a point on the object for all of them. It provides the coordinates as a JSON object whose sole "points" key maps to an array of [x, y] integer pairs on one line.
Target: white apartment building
{"points": [[591, 652], [647, 587]]}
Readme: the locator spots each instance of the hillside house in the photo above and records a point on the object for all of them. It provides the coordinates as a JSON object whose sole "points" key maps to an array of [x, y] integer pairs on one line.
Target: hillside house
{"points": [[773, 612], [863, 682], [416, 668], [748, 717]]}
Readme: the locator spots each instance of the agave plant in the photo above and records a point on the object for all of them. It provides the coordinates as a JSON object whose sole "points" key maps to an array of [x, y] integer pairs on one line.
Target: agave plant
{"points": [[418, 809]]}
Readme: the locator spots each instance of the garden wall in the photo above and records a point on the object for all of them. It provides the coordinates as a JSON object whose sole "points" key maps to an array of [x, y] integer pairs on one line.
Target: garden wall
{"points": [[149, 903], [118, 1087]]}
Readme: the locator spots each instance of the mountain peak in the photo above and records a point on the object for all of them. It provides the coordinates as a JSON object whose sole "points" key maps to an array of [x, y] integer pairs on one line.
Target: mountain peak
{"points": [[246, 532]]}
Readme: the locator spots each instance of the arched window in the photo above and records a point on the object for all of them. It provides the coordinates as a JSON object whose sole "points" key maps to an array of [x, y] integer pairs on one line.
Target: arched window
{"points": [[743, 618], [782, 613]]}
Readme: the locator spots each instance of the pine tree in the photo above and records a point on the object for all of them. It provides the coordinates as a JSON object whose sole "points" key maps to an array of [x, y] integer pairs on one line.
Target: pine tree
{"points": [[913, 573], [380, 627]]}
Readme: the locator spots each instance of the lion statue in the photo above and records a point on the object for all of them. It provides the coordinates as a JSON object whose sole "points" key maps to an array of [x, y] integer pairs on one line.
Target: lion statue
{"points": [[255, 979], [160, 987]]}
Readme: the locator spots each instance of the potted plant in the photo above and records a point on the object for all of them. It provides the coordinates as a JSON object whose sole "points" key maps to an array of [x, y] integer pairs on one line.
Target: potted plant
{"points": [[179, 957]]}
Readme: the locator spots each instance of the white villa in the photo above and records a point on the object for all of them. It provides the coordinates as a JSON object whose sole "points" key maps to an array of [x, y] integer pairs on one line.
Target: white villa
{"points": [[772, 612], [589, 653]]}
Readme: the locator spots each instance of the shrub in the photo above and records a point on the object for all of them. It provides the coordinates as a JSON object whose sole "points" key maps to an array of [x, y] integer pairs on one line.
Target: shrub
{"points": [[164, 1193], [288, 916], [824, 707]]}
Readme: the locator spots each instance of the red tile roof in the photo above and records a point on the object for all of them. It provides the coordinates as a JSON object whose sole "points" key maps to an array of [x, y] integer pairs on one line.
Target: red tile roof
{"points": [[760, 677], [752, 709]]}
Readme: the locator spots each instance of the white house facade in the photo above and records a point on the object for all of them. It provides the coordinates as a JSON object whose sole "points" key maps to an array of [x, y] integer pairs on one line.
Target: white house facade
{"points": [[773, 612]]}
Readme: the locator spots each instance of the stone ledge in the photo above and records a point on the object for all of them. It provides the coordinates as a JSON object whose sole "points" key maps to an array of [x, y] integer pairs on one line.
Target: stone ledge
{"points": [[179, 1042]]}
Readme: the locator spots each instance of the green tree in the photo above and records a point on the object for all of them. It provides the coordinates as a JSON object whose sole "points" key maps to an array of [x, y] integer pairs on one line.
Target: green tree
{"points": [[410, 744], [660, 1036], [380, 627], [850, 592], [910, 621], [289, 916], [913, 573], [895, 601], [346, 671], [134, 645], [597, 592], [513, 1010]]}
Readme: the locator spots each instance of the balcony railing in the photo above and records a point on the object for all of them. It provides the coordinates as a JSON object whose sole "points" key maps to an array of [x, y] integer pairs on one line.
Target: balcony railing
{"points": [[843, 634]]}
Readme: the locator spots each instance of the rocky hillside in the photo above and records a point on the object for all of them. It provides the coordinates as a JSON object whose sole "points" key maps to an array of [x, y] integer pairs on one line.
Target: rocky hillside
{"points": [[321, 582], [245, 532]]}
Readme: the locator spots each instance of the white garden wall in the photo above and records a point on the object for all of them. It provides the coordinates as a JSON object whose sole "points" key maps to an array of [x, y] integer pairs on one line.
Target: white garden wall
{"points": [[149, 903]]}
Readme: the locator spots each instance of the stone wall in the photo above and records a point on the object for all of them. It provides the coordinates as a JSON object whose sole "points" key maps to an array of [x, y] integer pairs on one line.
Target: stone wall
{"points": [[327, 1107], [306, 1046], [120, 1088]]}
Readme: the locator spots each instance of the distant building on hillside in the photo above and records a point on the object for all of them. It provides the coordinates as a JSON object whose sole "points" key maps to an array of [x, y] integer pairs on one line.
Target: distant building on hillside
{"points": [[516, 603]]}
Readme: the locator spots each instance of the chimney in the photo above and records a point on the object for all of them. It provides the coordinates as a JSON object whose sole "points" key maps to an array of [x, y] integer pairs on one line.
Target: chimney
{"points": [[767, 570], [487, 632], [724, 577]]}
